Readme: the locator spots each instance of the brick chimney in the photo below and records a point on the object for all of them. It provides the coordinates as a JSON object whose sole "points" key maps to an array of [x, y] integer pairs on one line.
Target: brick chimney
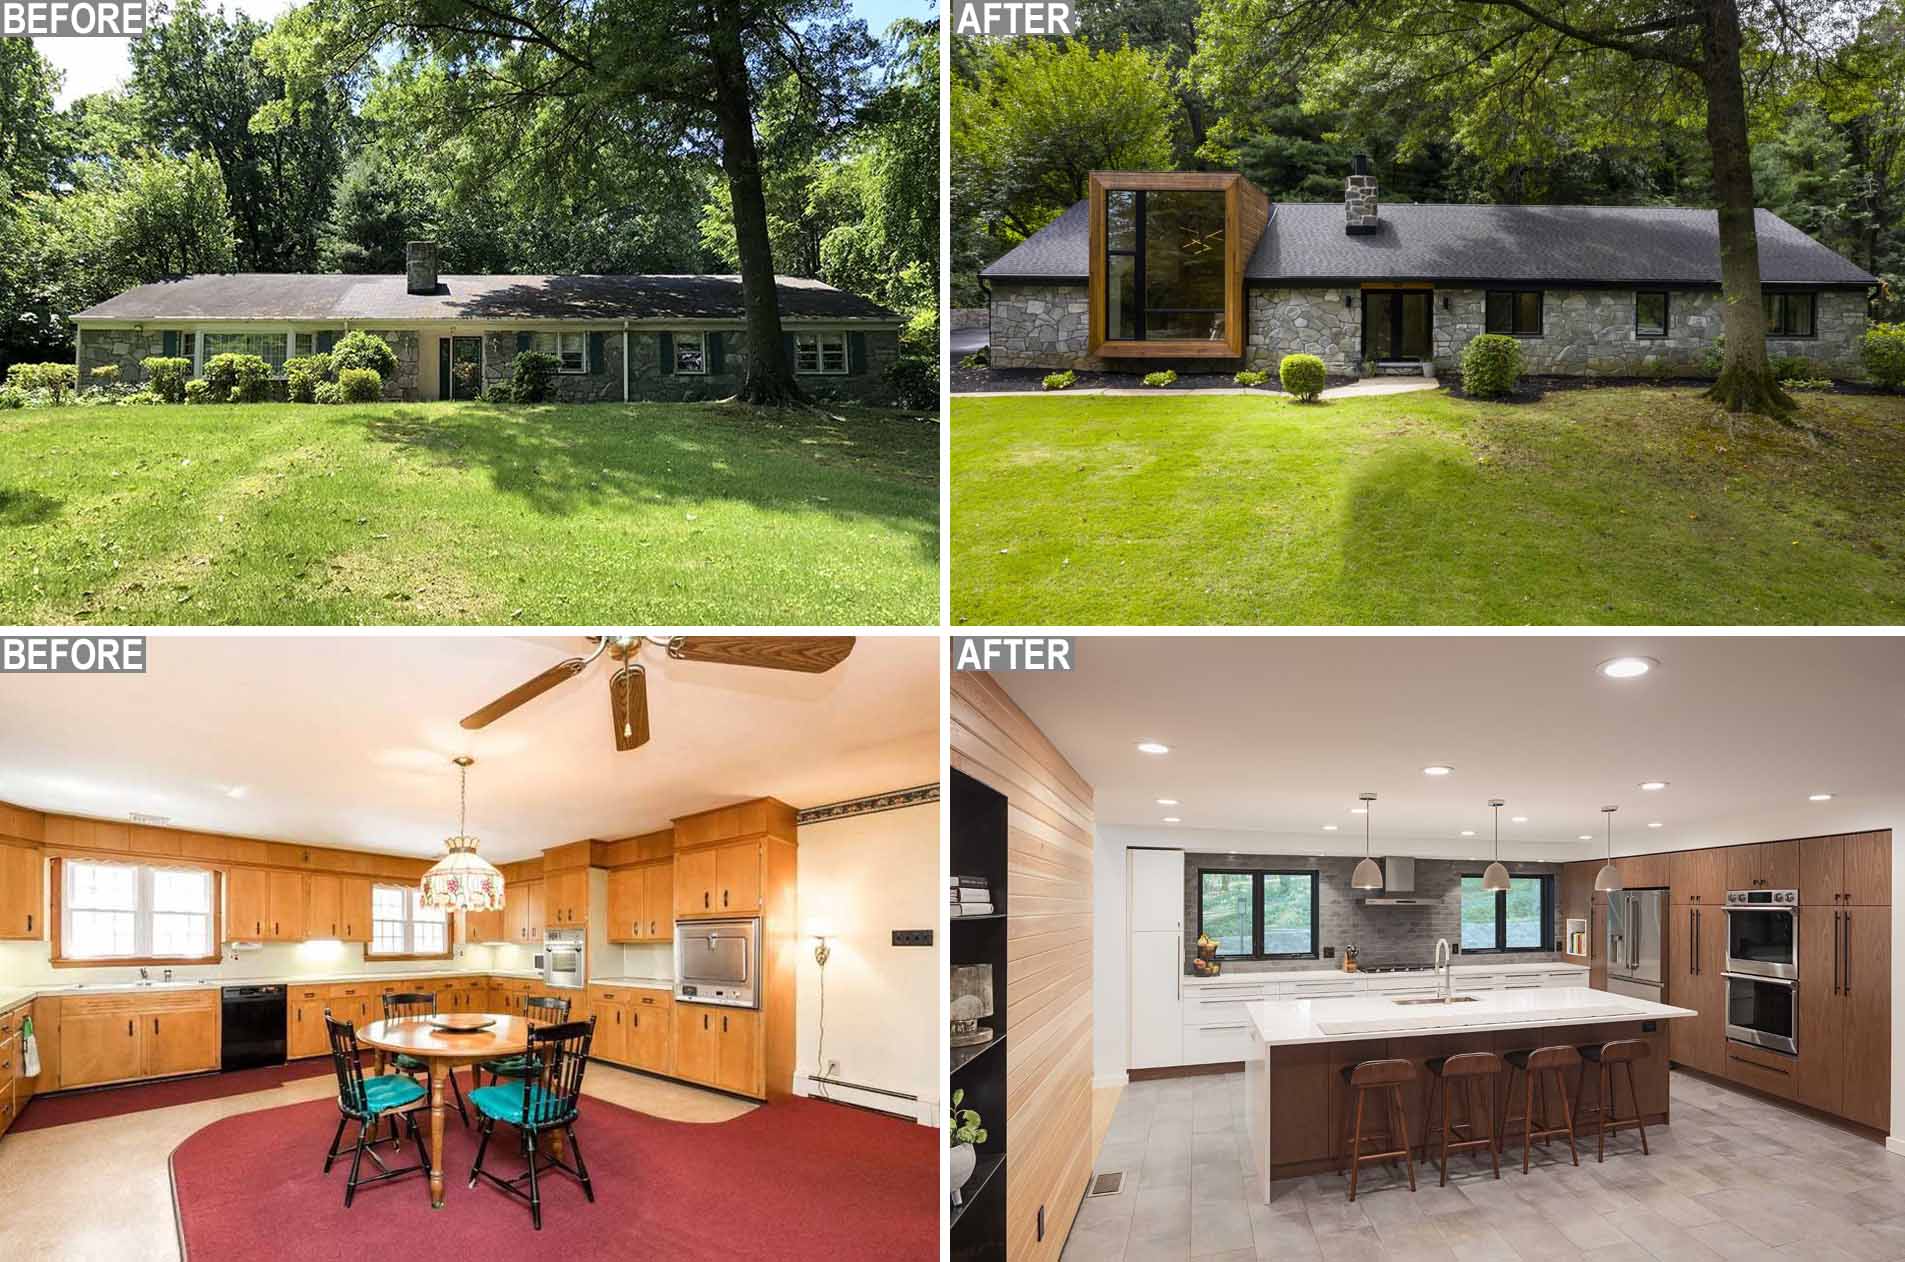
{"points": [[1359, 198], [420, 266]]}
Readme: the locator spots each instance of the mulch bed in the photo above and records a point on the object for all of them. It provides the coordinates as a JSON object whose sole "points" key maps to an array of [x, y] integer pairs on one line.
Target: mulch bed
{"points": [[993, 380], [1533, 389]]}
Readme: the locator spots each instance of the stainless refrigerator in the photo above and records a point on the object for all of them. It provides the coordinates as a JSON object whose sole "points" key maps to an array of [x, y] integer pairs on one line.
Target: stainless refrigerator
{"points": [[1636, 948]]}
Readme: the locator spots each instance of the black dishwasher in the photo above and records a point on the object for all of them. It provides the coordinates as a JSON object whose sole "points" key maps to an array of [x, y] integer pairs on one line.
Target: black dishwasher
{"points": [[253, 1017]]}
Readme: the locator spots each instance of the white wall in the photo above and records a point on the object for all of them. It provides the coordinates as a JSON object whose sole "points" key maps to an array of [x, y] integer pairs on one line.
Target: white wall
{"points": [[30, 964], [1110, 979], [865, 876]]}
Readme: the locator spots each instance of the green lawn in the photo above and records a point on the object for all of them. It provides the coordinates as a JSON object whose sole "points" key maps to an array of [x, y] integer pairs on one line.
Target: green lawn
{"points": [[675, 514], [1607, 506]]}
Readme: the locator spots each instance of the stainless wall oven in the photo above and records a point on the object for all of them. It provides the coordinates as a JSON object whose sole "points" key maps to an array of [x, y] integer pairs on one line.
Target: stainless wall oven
{"points": [[562, 960], [718, 961], [1763, 1011], [1762, 933]]}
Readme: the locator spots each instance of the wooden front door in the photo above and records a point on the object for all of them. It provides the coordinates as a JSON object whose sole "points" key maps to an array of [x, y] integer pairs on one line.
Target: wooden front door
{"points": [[459, 367], [1398, 324]]}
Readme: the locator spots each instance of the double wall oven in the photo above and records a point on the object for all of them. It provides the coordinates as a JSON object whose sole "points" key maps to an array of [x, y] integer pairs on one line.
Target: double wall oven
{"points": [[1762, 968]]}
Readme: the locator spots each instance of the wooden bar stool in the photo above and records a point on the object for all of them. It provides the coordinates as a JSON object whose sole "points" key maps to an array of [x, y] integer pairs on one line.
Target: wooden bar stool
{"points": [[1554, 1061], [1385, 1077], [1475, 1072], [1620, 1053]]}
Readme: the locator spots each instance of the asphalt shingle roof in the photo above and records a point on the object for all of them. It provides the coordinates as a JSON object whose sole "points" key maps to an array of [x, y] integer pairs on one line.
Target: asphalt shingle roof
{"points": [[1551, 244], [301, 296]]}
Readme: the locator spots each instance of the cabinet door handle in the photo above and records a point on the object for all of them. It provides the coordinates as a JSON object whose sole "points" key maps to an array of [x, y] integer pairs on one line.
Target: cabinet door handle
{"points": [[704, 900], [1835, 952], [724, 898], [128, 1027], [724, 1024], [1847, 967], [29, 922], [704, 1020], [155, 1025]]}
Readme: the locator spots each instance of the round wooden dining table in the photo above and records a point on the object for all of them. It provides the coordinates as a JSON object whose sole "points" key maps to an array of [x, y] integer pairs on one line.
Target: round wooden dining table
{"points": [[444, 1050]]}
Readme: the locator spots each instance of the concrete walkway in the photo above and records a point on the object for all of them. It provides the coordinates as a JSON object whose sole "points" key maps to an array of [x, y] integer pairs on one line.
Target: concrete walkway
{"points": [[1354, 390]]}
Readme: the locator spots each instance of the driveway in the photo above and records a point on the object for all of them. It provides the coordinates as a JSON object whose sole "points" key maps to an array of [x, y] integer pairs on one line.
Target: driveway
{"points": [[966, 341]]}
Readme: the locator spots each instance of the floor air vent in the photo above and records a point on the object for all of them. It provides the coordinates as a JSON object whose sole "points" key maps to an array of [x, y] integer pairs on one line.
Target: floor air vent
{"points": [[1110, 1183]]}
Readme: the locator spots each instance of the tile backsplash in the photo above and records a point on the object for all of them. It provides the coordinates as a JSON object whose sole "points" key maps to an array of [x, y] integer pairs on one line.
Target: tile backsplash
{"points": [[1381, 935]]}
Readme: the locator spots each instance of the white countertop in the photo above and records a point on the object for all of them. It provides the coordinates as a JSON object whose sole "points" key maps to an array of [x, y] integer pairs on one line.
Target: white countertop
{"points": [[1289, 1022], [10, 995], [1324, 974]]}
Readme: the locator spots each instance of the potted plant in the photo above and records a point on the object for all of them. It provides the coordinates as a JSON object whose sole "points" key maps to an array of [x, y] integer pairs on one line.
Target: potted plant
{"points": [[966, 1132]]}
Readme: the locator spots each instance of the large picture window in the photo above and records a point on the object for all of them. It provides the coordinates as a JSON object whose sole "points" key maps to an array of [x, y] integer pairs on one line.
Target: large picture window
{"points": [[134, 913], [1258, 915], [1516, 312], [1164, 264], [270, 347], [1519, 918], [402, 927], [1791, 315]]}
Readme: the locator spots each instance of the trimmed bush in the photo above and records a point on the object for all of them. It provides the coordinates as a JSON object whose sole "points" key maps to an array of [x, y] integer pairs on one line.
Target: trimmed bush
{"points": [[1061, 380], [532, 377], [166, 376], [1792, 368], [327, 392], [360, 385], [359, 349], [1303, 376], [302, 375], [1160, 379], [238, 378], [1806, 383], [11, 398], [978, 359], [140, 399], [55, 380], [105, 375], [198, 390], [913, 382], [1882, 351], [1491, 365], [499, 393], [1251, 377]]}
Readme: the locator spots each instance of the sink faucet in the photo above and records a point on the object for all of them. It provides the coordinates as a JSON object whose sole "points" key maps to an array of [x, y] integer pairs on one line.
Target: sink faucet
{"points": [[168, 975], [143, 976], [1443, 958]]}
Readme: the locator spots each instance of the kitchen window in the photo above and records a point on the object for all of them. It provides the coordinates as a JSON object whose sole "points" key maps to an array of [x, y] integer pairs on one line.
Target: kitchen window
{"points": [[401, 927], [128, 913], [1516, 312], [1258, 915], [1650, 313], [270, 347], [691, 354], [1791, 315], [1515, 919], [820, 352], [570, 349]]}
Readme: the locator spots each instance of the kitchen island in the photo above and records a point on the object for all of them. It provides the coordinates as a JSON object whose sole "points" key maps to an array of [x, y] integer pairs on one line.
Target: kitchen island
{"points": [[1295, 1096]]}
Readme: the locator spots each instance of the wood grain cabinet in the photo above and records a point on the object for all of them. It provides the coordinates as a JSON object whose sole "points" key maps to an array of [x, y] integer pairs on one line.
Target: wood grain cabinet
{"points": [[354, 915], [285, 897], [1768, 865], [719, 1047], [323, 906], [642, 903], [490, 926], [22, 892], [247, 904], [1845, 1037], [719, 881], [121, 1037], [1853, 870], [1698, 877], [695, 883], [524, 903], [1644, 871], [566, 898], [1696, 960], [304, 1029], [651, 1035]]}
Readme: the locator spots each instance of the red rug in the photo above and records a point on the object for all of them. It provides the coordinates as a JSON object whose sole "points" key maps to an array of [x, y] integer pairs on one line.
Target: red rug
{"points": [[84, 1106], [797, 1180]]}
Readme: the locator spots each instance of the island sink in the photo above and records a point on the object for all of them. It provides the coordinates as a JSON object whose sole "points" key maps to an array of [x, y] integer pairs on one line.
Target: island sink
{"points": [[1435, 999]]}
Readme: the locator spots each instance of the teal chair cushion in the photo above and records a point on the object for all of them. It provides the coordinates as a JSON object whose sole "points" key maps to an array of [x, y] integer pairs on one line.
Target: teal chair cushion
{"points": [[409, 1064], [513, 1066], [390, 1091], [505, 1104]]}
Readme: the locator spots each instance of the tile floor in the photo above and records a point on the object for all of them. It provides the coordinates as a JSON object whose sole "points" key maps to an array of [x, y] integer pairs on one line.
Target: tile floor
{"points": [[101, 1189], [1734, 1176]]}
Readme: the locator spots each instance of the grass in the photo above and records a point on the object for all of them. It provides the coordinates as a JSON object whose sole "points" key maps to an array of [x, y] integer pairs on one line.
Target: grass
{"points": [[677, 514], [1590, 507]]}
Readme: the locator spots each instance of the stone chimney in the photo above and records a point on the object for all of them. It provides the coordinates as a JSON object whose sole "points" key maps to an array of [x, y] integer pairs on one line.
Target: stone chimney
{"points": [[1359, 199], [420, 264]]}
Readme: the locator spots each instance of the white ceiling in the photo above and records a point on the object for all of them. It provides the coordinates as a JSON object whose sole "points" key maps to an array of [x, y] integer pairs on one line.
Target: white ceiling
{"points": [[347, 740], [1273, 737]]}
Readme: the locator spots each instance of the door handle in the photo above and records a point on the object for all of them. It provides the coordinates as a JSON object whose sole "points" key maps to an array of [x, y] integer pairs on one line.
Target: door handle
{"points": [[704, 1020], [724, 1023], [1847, 989], [29, 922], [724, 903], [155, 1025], [1177, 966], [128, 1027], [704, 900], [1835, 952]]}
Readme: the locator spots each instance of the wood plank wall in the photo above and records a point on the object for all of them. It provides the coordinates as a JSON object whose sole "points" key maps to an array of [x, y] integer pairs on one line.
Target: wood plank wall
{"points": [[1048, 988]]}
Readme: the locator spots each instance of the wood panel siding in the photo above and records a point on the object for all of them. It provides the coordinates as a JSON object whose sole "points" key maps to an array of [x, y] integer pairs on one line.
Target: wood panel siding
{"points": [[1048, 987]]}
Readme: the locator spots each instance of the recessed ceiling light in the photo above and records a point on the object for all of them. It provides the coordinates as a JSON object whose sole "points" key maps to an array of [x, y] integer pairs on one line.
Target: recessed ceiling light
{"points": [[1653, 786], [1654, 823], [1167, 801], [1468, 832], [1437, 769], [1152, 747], [1626, 667], [1329, 828], [1820, 797], [236, 791], [1517, 819], [1587, 836], [1172, 819]]}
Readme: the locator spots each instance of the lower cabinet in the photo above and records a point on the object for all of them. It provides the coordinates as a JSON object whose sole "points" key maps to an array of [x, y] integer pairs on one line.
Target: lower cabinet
{"points": [[649, 1039], [304, 1031], [719, 1047], [117, 1038]]}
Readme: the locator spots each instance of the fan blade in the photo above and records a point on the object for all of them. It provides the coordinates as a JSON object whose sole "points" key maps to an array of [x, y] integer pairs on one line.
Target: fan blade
{"points": [[628, 705], [524, 692], [811, 654]]}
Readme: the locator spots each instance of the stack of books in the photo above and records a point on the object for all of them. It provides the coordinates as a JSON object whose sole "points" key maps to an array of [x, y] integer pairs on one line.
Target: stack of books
{"points": [[971, 896]]}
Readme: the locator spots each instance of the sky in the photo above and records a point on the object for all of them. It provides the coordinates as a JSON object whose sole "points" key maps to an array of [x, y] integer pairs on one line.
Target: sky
{"points": [[94, 65]]}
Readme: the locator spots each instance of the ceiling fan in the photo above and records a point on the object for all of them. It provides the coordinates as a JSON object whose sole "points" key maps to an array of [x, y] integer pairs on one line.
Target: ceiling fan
{"points": [[628, 686]]}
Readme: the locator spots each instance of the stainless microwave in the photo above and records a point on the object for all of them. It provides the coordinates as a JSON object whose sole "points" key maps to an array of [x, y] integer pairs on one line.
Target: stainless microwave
{"points": [[719, 962]]}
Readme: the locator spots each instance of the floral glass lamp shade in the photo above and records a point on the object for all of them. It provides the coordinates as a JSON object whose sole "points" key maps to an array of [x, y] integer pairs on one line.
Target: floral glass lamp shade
{"points": [[461, 880]]}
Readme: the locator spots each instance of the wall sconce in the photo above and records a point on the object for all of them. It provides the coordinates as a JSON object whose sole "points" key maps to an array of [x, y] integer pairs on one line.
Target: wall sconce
{"points": [[820, 931], [1445, 302], [1349, 301]]}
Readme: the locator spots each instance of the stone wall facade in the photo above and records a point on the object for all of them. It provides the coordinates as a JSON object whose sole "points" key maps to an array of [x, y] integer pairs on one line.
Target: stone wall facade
{"points": [[127, 348], [1305, 322], [1041, 326], [401, 386]]}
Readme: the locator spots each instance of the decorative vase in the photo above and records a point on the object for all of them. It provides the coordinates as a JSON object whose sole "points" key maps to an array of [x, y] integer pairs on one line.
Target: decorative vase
{"points": [[964, 1158]]}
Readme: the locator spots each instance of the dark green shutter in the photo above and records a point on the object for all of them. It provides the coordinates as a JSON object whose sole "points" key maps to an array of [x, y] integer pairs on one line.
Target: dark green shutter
{"points": [[326, 340], [857, 354], [522, 342], [787, 349], [169, 344], [598, 361], [666, 342], [717, 353]]}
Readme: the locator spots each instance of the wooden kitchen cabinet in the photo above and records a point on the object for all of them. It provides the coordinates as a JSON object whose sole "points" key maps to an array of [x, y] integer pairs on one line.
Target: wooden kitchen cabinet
{"points": [[1644, 871], [22, 892], [1695, 960], [697, 1042], [179, 1040], [304, 1033], [285, 894], [1597, 947], [1868, 869], [611, 1031], [566, 896], [1820, 1077], [492, 926], [354, 915], [738, 1055], [247, 904], [323, 906], [719, 881], [122, 1037], [1698, 877], [658, 903], [1866, 993], [525, 901], [97, 1046], [695, 883], [648, 1037], [627, 909], [1769, 865]]}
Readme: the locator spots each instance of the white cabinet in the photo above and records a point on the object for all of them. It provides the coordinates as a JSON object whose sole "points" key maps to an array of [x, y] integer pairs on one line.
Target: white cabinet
{"points": [[1155, 886], [1157, 982]]}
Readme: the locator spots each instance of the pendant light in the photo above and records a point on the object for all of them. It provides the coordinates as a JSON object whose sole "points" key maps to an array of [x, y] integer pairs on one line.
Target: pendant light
{"points": [[1607, 880], [461, 881], [1495, 876], [1367, 875]]}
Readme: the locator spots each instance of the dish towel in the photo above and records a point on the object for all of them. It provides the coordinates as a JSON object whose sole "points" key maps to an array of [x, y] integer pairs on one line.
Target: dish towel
{"points": [[30, 1060]]}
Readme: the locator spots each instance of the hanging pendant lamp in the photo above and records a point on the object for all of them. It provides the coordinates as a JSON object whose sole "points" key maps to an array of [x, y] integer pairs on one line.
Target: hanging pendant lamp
{"points": [[462, 881], [1495, 876], [1368, 876], [1607, 880]]}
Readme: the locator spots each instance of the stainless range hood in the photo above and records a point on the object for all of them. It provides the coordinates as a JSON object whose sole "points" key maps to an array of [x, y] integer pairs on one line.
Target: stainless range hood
{"points": [[1398, 882]]}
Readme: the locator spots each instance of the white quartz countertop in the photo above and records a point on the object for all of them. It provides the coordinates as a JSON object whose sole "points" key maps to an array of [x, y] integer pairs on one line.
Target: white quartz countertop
{"points": [[1325, 974], [1288, 1022]]}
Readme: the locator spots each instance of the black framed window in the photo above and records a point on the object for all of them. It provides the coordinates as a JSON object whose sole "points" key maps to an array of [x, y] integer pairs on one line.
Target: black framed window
{"points": [[1516, 312], [1520, 918], [1258, 915], [1792, 315], [1164, 264], [1650, 313]]}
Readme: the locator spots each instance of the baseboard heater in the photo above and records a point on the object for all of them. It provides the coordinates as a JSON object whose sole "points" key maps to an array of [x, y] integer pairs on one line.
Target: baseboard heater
{"points": [[861, 1086]]}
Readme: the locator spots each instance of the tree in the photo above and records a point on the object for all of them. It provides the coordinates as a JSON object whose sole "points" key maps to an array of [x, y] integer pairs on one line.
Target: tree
{"points": [[1532, 78], [554, 89], [31, 139], [1168, 29]]}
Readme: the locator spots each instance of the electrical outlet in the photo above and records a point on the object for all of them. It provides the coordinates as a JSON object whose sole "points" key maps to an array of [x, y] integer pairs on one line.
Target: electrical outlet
{"points": [[1329, 952], [833, 1069], [913, 937]]}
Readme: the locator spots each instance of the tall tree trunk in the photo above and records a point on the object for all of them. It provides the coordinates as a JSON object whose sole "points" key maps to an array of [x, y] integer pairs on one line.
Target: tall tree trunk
{"points": [[1746, 381], [770, 378]]}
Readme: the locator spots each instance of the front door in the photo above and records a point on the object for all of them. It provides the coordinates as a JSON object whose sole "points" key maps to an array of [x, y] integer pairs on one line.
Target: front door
{"points": [[459, 367], [1397, 323]]}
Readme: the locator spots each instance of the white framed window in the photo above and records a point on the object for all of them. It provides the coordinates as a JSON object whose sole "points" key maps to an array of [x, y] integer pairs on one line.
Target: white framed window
{"points": [[270, 347], [691, 353], [134, 911], [570, 349], [820, 352], [401, 925]]}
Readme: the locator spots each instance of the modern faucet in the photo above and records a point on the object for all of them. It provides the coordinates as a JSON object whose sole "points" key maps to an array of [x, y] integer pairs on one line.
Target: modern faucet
{"points": [[1443, 958]]}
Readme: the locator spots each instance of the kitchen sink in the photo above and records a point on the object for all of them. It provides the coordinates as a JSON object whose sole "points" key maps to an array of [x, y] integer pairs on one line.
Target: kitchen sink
{"points": [[1435, 999]]}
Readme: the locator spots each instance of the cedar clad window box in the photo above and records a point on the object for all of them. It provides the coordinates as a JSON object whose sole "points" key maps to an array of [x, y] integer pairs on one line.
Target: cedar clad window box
{"points": [[1167, 262]]}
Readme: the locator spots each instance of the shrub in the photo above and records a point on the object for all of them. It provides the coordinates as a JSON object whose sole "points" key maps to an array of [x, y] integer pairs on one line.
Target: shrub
{"points": [[327, 392], [1796, 367], [105, 375], [1806, 383], [55, 380], [1491, 365], [978, 359], [1882, 351], [1251, 377], [302, 375], [364, 350], [11, 398], [360, 385], [198, 390], [166, 376], [1714, 360], [532, 377], [238, 378], [1160, 379], [1061, 380], [140, 399], [1303, 376], [499, 393], [913, 381]]}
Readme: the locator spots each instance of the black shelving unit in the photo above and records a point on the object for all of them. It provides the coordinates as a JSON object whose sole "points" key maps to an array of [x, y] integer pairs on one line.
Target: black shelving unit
{"points": [[977, 1227]]}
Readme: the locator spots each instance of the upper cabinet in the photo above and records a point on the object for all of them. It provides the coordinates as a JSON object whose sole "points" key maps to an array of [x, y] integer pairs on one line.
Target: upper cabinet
{"points": [[22, 896], [641, 903], [523, 901], [719, 856], [566, 898], [247, 904], [1853, 870], [323, 907], [1770, 865], [354, 915], [1698, 877], [1644, 871], [285, 897]]}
